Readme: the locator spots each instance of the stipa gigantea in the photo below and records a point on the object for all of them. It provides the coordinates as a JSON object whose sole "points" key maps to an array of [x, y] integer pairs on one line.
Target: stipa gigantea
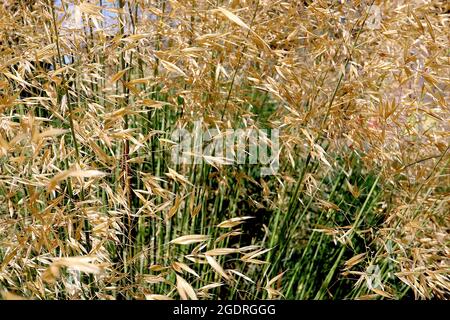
{"points": [[86, 168]]}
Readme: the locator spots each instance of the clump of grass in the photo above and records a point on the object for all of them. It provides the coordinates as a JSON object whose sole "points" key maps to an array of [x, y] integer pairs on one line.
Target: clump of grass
{"points": [[92, 206]]}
